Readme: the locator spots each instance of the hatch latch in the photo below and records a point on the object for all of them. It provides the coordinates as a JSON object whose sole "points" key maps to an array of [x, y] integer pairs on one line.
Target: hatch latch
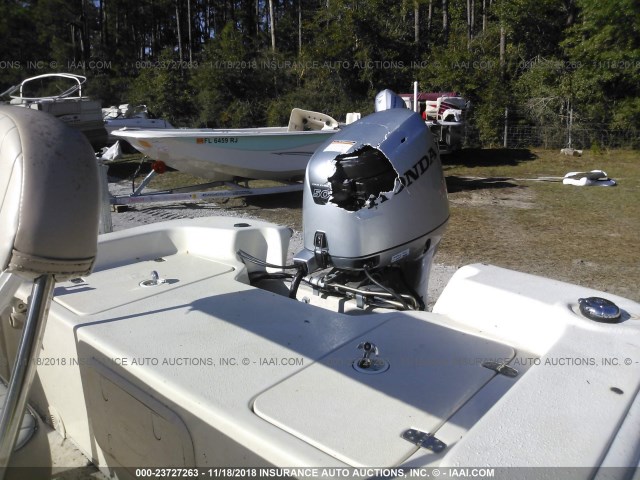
{"points": [[370, 363]]}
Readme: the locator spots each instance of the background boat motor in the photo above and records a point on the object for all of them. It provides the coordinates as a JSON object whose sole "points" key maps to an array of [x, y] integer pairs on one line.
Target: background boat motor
{"points": [[388, 99], [375, 204], [49, 210]]}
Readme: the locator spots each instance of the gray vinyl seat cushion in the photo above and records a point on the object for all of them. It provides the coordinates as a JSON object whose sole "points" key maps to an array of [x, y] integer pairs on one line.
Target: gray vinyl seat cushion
{"points": [[49, 196]]}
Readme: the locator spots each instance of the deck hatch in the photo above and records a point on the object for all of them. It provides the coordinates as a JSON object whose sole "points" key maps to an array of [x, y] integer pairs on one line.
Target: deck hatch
{"points": [[112, 288], [335, 408]]}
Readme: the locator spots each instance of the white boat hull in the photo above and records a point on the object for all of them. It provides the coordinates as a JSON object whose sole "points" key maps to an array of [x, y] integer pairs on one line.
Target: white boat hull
{"points": [[260, 153], [274, 153], [130, 117], [141, 123], [207, 371], [82, 114]]}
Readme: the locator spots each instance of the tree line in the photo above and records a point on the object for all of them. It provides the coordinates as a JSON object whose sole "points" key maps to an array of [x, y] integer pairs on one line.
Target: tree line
{"points": [[239, 63]]}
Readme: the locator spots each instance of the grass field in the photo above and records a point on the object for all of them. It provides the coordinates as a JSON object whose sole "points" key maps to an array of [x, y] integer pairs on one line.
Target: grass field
{"points": [[585, 235], [502, 213]]}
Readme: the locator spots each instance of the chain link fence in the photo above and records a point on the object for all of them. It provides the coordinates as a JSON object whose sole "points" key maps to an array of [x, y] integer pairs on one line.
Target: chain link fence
{"points": [[522, 136], [517, 131]]}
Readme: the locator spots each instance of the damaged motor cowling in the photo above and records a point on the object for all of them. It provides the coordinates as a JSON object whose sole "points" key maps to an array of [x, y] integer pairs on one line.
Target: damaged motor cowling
{"points": [[375, 197]]}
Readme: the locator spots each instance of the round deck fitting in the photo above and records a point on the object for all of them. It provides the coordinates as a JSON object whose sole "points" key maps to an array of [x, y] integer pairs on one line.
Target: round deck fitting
{"points": [[599, 309]]}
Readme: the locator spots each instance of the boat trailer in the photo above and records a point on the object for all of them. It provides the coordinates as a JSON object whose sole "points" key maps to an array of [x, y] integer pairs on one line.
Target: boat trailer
{"points": [[198, 192], [189, 193]]}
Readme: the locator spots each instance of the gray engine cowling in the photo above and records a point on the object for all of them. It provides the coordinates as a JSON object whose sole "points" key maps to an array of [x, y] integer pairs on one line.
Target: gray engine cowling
{"points": [[375, 196]]}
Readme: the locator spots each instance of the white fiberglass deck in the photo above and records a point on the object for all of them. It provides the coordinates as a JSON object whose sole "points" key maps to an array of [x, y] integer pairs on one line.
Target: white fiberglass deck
{"points": [[206, 370]]}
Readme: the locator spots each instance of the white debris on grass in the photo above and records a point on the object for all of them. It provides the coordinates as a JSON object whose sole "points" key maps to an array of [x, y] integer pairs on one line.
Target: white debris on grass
{"points": [[593, 178], [571, 152]]}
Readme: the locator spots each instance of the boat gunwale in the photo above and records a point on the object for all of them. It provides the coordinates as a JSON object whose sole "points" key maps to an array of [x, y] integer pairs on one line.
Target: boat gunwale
{"points": [[213, 133]]}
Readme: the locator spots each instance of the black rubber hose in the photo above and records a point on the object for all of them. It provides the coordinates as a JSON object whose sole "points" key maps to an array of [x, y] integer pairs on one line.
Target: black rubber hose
{"points": [[295, 283]]}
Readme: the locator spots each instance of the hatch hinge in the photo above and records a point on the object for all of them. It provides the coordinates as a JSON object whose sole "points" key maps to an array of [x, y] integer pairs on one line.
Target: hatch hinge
{"points": [[501, 368], [424, 440]]}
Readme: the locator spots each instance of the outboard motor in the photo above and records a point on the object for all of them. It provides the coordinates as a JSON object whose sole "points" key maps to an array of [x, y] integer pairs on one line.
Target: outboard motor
{"points": [[374, 209], [388, 99]]}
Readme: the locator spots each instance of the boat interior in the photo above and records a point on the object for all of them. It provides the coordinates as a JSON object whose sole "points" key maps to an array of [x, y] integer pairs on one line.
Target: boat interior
{"points": [[186, 344], [305, 120]]}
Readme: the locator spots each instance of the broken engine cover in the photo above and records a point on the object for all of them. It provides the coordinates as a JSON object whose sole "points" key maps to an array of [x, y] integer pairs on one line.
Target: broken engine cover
{"points": [[374, 195]]}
